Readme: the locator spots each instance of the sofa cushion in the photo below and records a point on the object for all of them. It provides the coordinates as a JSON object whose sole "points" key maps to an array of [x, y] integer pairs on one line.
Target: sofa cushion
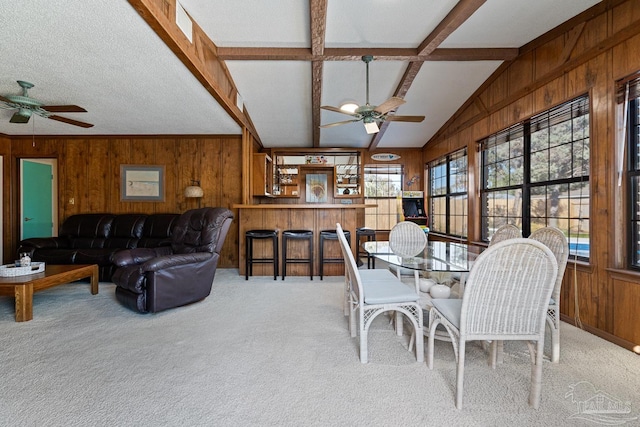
{"points": [[157, 230], [128, 225], [87, 225], [86, 242], [121, 242]]}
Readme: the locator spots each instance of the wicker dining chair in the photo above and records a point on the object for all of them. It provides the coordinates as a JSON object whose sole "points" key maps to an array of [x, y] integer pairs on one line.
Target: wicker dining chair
{"points": [[555, 240], [372, 297], [407, 239], [504, 232], [521, 272]]}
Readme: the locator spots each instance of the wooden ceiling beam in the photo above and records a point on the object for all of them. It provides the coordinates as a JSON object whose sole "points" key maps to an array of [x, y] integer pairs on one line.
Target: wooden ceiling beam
{"points": [[318, 22], [460, 13], [318, 25], [456, 17], [355, 54], [316, 100], [199, 57], [405, 83]]}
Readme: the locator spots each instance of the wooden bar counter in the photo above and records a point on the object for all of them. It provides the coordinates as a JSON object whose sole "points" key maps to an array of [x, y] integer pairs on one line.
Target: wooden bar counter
{"points": [[314, 217]]}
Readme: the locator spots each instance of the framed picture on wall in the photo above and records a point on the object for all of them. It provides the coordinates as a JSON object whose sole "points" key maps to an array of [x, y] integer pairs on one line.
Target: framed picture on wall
{"points": [[142, 183], [316, 188]]}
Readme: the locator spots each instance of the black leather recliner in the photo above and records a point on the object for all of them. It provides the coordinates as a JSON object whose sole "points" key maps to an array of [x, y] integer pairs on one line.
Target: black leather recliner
{"points": [[156, 279]]}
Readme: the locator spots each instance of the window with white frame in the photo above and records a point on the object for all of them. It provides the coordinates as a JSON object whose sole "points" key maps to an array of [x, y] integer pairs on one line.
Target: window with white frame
{"points": [[383, 187], [536, 174], [448, 195]]}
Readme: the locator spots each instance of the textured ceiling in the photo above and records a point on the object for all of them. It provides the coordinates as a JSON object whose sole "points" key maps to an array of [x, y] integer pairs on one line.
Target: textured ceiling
{"points": [[103, 56]]}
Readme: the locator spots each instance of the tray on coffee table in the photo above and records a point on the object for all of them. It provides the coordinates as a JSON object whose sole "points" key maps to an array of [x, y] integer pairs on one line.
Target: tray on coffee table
{"points": [[10, 270]]}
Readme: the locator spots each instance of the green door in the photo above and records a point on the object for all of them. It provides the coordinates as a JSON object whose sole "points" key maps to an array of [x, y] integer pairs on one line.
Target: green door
{"points": [[37, 203]]}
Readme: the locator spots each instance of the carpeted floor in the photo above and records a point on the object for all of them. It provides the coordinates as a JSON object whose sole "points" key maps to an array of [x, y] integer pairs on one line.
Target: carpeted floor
{"points": [[277, 353]]}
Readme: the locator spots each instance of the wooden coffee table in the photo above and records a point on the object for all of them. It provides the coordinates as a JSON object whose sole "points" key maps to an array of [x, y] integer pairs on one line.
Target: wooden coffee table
{"points": [[23, 287]]}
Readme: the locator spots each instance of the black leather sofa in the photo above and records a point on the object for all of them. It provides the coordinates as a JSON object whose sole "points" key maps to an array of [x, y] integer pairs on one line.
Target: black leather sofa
{"points": [[94, 238]]}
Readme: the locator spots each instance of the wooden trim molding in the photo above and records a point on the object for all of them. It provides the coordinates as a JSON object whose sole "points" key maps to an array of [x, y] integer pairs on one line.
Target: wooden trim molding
{"points": [[604, 335], [626, 275]]}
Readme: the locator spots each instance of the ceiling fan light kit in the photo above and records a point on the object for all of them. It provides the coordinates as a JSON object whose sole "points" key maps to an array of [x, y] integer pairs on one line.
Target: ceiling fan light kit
{"points": [[369, 114], [371, 127], [27, 106], [349, 107]]}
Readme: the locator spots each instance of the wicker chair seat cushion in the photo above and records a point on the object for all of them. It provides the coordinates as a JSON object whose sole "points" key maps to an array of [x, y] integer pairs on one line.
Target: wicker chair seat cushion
{"points": [[377, 274], [449, 308], [388, 292]]}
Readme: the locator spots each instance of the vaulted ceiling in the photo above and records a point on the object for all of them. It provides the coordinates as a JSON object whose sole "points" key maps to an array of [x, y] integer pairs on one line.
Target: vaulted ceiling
{"points": [[287, 58]]}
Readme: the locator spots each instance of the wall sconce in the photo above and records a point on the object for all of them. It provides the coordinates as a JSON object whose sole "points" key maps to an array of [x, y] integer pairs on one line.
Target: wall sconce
{"points": [[413, 180], [194, 191]]}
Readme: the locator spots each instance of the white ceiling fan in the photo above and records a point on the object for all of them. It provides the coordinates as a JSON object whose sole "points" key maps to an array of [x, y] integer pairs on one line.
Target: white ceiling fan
{"points": [[372, 115]]}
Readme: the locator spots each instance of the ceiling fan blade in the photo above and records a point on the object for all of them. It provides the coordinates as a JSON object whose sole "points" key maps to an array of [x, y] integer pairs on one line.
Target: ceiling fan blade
{"points": [[339, 123], [71, 121], [390, 104], [413, 119], [338, 110], [20, 118], [63, 109], [3, 99]]}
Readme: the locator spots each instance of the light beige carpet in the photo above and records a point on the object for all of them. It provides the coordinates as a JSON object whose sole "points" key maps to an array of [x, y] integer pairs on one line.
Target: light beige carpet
{"points": [[277, 353]]}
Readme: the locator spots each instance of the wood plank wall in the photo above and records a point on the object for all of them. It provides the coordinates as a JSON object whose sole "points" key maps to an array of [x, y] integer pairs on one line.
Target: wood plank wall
{"points": [[585, 55], [89, 173]]}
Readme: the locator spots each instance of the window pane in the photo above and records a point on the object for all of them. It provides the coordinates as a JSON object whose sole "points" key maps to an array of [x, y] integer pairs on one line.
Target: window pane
{"points": [[635, 221], [458, 216], [438, 214], [581, 158], [559, 134], [382, 186], [501, 207], [448, 196], [540, 166]]}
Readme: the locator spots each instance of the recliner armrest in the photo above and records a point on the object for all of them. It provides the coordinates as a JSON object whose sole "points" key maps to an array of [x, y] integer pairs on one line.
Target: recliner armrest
{"points": [[138, 256], [168, 261]]}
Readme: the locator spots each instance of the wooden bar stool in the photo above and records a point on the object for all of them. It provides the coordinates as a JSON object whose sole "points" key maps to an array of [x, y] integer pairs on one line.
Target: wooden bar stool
{"points": [[297, 235], [330, 235], [252, 235]]}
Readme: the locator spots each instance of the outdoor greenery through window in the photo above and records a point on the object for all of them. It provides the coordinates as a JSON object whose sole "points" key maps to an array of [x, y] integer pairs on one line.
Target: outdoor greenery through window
{"points": [[536, 174], [448, 194], [383, 187], [629, 94]]}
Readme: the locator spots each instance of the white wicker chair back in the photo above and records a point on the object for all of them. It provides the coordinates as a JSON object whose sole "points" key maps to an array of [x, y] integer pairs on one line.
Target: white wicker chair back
{"points": [[505, 232], [555, 240], [508, 290], [407, 239], [350, 266]]}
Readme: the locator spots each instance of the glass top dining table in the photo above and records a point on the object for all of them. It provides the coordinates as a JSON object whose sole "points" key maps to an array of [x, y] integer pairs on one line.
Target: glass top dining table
{"points": [[436, 256]]}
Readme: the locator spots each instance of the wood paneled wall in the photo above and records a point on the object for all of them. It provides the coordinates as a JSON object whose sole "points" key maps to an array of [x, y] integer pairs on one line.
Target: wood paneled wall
{"points": [[585, 55], [89, 173]]}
